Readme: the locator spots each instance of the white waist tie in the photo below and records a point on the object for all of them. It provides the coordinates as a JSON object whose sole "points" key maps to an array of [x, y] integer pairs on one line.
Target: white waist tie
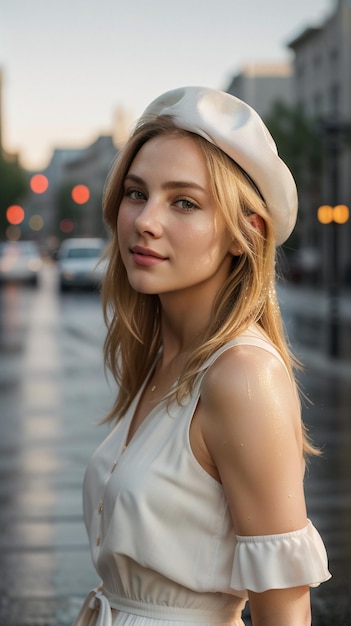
{"points": [[99, 607], [95, 601]]}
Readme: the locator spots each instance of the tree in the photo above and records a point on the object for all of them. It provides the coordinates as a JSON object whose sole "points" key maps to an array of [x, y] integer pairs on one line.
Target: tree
{"points": [[300, 145], [13, 183]]}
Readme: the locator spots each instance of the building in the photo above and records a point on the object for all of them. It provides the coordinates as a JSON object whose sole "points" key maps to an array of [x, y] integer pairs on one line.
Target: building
{"points": [[322, 76], [46, 204], [91, 168], [70, 167], [322, 70], [262, 84]]}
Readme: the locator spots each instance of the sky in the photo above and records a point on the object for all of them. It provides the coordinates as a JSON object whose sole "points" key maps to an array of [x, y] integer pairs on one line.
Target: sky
{"points": [[68, 66]]}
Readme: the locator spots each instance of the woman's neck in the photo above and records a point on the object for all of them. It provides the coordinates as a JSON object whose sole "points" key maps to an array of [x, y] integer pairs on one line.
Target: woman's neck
{"points": [[186, 316], [182, 330]]}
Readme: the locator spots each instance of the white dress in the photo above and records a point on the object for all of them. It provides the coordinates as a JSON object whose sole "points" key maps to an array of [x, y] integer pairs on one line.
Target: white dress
{"points": [[161, 534]]}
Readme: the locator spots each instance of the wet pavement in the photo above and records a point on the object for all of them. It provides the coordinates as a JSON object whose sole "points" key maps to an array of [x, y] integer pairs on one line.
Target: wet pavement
{"points": [[326, 408], [53, 391]]}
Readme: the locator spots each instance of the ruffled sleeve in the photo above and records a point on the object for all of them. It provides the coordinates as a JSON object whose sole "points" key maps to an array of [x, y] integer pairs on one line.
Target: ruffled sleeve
{"points": [[280, 561]]}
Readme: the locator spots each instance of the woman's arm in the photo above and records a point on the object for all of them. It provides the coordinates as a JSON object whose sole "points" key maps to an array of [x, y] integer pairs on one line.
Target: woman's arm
{"points": [[251, 425], [281, 607]]}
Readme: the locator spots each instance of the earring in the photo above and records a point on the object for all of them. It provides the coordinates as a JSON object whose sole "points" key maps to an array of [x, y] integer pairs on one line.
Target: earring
{"points": [[235, 249]]}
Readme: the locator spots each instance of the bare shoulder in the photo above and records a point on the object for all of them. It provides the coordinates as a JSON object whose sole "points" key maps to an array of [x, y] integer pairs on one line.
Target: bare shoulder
{"points": [[249, 388], [250, 422], [242, 370]]}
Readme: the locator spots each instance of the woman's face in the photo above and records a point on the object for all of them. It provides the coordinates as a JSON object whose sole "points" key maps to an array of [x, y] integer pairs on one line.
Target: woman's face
{"points": [[172, 237]]}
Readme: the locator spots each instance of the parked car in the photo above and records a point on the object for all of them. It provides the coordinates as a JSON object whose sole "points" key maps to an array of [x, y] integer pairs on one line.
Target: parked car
{"points": [[79, 263], [20, 261]]}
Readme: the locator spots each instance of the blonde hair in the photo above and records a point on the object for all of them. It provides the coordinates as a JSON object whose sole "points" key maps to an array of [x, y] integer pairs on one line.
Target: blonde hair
{"points": [[133, 319]]}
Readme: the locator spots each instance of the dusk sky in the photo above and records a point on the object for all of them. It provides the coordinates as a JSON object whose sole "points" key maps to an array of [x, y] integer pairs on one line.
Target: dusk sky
{"points": [[67, 66]]}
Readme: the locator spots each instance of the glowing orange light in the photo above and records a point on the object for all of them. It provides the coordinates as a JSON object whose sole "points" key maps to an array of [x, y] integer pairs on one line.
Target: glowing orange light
{"points": [[341, 214], [15, 214], [39, 183], [66, 226], [325, 214], [80, 194]]}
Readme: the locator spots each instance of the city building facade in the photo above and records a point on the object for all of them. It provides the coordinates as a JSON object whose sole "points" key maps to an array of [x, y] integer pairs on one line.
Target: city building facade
{"points": [[91, 168], [68, 168], [322, 83], [261, 84], [318, 81]]}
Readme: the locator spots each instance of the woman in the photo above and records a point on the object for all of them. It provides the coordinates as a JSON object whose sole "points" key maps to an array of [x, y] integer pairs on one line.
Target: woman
{"points": [[194, 503]]}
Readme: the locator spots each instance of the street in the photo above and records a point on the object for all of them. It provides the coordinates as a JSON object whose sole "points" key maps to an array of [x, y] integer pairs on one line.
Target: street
{"points": [[53, 392]]}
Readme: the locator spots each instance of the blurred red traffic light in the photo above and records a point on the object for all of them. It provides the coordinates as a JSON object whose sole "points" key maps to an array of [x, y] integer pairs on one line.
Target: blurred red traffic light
{"points": [[80, 194], [15, 214], [38, 183]]}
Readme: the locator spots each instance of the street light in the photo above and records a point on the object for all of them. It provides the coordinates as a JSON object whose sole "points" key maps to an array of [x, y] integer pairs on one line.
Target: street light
{"points": [[341, 214], [327, 214]]}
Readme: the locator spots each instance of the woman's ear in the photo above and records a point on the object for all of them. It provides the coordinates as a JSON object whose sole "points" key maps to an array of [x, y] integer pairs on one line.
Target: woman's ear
{"points": [[257, 222], [235, 249]]}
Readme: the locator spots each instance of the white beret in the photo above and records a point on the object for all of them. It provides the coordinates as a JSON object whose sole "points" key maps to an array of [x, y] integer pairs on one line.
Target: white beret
{"points": [[236, 128]]}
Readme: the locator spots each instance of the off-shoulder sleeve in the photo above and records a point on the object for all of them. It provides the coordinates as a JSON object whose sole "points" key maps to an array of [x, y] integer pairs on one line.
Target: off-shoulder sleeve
{"points": [[280, 561]]}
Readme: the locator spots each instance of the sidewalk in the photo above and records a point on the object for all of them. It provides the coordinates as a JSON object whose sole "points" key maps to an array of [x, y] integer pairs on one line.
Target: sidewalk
{"points": [[306, 315]]}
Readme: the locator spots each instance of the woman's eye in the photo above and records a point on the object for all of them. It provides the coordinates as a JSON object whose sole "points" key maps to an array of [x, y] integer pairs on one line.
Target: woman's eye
{"points": [[186, 205], [135, 194]]}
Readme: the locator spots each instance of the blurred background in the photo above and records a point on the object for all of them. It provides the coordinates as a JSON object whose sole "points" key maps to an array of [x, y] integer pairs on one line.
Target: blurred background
{"points": [[74, 78]]}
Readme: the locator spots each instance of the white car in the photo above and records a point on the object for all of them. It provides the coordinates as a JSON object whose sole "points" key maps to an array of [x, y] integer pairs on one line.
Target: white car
{"points": [[79, 263], [20, 261]]}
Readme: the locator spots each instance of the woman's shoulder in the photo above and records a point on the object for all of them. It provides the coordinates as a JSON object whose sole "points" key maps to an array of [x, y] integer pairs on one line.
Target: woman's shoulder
{"points": [[248, 399], [250, 346], [249, 365]]}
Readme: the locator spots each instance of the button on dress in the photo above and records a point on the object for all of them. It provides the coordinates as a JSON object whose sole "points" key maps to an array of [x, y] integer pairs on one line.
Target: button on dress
{"points": [[161, 535]]}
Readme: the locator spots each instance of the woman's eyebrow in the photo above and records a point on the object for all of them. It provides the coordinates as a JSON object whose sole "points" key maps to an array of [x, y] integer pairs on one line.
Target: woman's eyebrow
{"points": [[171, 184], [135, 179], [182, 184]]}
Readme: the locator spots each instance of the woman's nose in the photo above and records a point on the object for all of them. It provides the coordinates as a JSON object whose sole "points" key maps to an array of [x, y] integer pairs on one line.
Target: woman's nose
{"points": [[149, 218]]}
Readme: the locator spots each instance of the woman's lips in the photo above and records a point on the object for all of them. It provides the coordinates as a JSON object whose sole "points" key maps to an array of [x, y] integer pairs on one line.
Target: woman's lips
{"points": [[146, 256]]}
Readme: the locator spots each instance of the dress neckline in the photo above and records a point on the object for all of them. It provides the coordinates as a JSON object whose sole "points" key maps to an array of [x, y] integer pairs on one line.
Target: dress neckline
{"points": [[134, 407]]}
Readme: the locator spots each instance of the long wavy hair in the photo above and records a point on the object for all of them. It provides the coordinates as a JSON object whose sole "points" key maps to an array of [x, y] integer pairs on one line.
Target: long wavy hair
{"points": [[132, 319]]}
